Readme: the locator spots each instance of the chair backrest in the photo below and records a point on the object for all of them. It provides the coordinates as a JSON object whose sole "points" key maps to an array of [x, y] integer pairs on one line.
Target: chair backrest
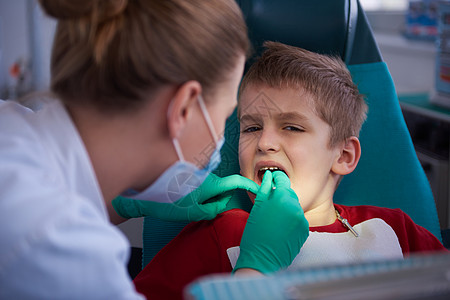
{"points": [[389, 173], [336, 27]]}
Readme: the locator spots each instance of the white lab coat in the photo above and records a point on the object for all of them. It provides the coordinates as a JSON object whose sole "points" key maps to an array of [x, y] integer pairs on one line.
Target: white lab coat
{"points": [[56, 241]]}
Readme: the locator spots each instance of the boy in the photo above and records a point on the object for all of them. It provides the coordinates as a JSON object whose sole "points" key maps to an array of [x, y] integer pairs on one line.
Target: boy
{"points": [[300, 113]]}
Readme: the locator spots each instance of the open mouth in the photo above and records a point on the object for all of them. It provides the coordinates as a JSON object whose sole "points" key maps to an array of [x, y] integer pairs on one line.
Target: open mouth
{"points": [[263, 170]]}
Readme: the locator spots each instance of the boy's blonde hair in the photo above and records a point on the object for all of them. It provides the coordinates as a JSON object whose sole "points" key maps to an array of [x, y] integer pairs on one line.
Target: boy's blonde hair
{"points": [[336, 98]]}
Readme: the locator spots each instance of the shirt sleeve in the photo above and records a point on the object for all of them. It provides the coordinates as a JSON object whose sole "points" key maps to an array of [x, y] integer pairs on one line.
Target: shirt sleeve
{"points": [[415, 238], [199, 249]]}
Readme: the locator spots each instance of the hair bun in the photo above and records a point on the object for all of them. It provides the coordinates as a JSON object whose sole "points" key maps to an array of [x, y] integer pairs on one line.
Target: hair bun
{"points": [[70, 9], [67, 9]]}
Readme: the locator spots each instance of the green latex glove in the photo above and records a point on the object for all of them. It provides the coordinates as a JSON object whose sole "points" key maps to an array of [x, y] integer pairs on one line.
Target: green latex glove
{"points": [[204, 203], [276, 228]]}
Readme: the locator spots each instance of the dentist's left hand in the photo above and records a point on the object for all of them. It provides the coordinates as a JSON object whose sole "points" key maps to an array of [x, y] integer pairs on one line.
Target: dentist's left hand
{"points": [[204, 203]]}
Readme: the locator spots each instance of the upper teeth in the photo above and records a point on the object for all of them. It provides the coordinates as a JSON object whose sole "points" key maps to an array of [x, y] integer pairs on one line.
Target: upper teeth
{"points": [[269, 168]]}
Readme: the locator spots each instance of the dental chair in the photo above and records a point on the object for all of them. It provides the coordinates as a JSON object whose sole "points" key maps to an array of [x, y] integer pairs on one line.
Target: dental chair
{"points": [[389, 173]]}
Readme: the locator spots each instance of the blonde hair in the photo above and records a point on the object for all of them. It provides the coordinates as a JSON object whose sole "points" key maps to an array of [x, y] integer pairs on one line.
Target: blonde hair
{"points": [[114, 53], [336, 98]]}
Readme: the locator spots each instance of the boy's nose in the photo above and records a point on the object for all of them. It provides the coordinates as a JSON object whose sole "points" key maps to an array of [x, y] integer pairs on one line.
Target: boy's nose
{"points": [[268, 142]]}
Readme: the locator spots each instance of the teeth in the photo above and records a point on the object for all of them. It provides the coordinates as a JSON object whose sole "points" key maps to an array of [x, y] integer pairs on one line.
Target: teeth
{"points": [[269, 168]]}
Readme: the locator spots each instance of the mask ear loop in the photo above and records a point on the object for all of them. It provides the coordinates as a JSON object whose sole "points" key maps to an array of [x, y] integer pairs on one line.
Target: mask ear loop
{"points": [[208, 119], [177, 147], [205, 112]]}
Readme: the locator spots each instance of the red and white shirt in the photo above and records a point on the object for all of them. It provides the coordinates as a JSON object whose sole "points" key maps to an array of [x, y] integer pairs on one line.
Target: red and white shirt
{"points": [[208, 247]]}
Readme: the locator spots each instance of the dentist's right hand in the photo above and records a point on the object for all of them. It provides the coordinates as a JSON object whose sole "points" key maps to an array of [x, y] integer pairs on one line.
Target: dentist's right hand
{"points": [[276, 228]]}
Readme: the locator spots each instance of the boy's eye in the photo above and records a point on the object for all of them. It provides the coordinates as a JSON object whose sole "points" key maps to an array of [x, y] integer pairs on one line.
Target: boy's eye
{"points": [[294, 128], [251, 129]]}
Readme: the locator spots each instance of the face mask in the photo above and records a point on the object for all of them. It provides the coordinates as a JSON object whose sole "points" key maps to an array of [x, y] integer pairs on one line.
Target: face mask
{"points": [[182, 177]]}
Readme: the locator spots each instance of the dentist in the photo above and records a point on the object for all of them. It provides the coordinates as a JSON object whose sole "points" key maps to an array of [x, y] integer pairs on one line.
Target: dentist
{"points": [[141, 89]]}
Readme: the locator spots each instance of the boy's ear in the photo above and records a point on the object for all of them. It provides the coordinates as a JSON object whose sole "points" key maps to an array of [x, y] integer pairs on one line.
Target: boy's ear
{"points": [[182, 107], [348, 158]]}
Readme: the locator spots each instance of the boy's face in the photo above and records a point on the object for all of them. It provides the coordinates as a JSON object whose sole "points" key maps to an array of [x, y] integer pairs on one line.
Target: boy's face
{"points": [[279, 128]]}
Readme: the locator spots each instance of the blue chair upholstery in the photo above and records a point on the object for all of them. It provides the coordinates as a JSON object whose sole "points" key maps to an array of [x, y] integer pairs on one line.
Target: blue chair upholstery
{"points": [[389, 173], [336, 27]]}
